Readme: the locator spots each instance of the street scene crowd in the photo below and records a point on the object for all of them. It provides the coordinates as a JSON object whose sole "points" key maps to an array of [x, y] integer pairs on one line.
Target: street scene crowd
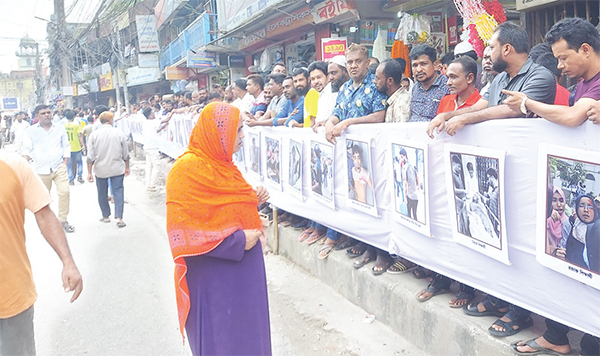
{"points": [[213, 224]]}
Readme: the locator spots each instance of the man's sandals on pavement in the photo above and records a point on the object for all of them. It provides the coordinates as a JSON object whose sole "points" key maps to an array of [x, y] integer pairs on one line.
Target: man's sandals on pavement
{"points": [[539, 350], [490, 309], [315, 236], [432, 291], [509, 326], [401, 266], [326, 249], [382, 263]]}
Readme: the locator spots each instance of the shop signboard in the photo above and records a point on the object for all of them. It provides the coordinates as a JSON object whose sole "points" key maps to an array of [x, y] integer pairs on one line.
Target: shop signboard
{"points": [[236, 61], [177, 73], [528, 4], [452, 31], [75, 92], [81, 89], [147, 60], [290, 22], [330, 9], [67, 91], [10, 103], [331, 47], [138, 76], [106, 82], [147, 37], [202, 60]]}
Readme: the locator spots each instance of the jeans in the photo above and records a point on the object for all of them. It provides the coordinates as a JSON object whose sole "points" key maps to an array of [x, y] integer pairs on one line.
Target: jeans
{"points": [[556, 334], [118, 194], [16, 334], [75, 161], [412, 206]]}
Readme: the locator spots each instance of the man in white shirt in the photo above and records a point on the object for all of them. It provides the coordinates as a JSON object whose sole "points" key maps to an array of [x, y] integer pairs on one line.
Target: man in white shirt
{"points": [[18, 130], [337, 75], [243, 99], [150, 133], [48, 144]]}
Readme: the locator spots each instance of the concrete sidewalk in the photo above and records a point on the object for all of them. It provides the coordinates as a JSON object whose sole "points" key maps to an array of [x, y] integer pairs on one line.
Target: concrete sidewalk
{"points": [[432, 326]]}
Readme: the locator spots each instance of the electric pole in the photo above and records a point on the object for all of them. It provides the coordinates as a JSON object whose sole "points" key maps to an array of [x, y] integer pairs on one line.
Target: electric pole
{"points": [[61, 22]]}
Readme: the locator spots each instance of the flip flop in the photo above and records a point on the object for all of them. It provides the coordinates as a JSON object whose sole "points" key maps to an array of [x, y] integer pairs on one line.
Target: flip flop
{"points": [[367, 257], [460, 295], [304, 235], [325, 251], [399, 267], [381, 262], [508, 326], [360, 246], [534, 345], [105, 220], [490, 309], [344, 243], [431, 289], [314, 237], [121, 224]]}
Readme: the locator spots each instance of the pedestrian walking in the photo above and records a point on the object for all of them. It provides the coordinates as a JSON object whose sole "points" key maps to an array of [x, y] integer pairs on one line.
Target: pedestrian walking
{"points": [[108, 159]]}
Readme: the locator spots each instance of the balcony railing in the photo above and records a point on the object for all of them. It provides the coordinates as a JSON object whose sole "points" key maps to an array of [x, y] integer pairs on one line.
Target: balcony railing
{"points": [[196, 35]]}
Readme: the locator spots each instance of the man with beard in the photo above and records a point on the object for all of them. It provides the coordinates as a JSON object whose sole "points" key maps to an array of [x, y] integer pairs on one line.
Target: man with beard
{"points": [[337, 75], [509, 45], [359, 101], [319, 80], [301, 84], [488, 75], [388, 78], [293, 110], [430, 87]]}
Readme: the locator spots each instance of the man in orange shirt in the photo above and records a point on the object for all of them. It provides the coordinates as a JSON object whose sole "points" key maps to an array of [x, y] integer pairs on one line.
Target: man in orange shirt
{"points": [[461, 74], [22, 189]]}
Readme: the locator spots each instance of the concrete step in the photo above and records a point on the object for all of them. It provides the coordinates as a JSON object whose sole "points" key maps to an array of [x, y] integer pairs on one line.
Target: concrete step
{"points": [[432, 326]]}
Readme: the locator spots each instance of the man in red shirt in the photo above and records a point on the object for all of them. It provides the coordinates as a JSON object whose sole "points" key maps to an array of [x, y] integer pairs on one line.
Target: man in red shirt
{"points": [[461, 74]]}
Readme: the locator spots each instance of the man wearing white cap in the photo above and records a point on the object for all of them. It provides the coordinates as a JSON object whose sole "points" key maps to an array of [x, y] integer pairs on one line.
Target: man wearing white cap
{"points": [[464, 48], [336, 75]]}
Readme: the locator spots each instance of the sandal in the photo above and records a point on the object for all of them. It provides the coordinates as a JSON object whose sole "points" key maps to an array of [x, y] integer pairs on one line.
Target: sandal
{"points": [[381, 265], [105, 220], [358, 249], [305, 234], [509, 326], [460, 296], [534, 345], [401, 266], [315, 236], [344, 243], [420, 273], [325, 251], [364, 259], [490, 309], [121, 224], [67, 227], [430, 289]]}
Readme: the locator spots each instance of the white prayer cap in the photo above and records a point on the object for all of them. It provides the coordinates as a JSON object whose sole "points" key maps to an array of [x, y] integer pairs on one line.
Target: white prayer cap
{"points": [[340, 60], [462, 47]]}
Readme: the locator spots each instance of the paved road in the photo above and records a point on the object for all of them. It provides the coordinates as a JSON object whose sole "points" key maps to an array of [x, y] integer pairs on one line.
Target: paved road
{"points": [[128, 303]]}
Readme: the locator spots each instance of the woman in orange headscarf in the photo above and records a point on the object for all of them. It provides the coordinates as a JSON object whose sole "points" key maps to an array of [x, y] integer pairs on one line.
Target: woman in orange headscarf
{"points": [[213, 227]]}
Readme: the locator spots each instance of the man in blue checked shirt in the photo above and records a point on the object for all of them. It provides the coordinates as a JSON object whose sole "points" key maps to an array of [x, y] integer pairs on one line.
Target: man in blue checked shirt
{"points": [[430, 87], [359, 101]]}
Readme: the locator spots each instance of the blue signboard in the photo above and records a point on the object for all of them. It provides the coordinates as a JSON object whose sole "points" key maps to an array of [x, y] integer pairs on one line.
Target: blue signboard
{"points": [[10, 103], [202, 60]]}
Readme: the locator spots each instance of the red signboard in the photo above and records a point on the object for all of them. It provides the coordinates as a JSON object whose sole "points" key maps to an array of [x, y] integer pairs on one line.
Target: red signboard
{"points": [[331, 47]]}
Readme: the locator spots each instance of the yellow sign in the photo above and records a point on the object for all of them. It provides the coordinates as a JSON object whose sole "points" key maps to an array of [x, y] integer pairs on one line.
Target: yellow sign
{"points": [[106, 82]]}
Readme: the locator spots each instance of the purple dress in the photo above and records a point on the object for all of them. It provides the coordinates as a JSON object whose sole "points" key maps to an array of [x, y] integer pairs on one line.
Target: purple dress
{"points": [[229, 312]]}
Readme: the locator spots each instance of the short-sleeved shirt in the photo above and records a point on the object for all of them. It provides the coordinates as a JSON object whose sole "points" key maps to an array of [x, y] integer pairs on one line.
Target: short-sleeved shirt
{"points": [[259, 104], [410, 177], [424, 103], [21, 189], [73, 131], [533, 80], [448, 102], [288, 108], [276, 104], [18, 129], [359, 102], [398, 106], [562, 95], [311, 106], [588, 89]]}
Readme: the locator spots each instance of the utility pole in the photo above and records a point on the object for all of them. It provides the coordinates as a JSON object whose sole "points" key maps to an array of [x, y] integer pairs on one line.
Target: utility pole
{"points": [[61, 22]]}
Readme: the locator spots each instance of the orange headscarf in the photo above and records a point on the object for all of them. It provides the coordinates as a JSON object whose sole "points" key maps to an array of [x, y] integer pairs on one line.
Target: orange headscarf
{"points": [[207, 197]]}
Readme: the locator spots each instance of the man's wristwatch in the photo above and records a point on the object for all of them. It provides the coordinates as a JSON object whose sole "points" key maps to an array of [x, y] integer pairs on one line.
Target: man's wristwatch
{"points": [[523, 107]]}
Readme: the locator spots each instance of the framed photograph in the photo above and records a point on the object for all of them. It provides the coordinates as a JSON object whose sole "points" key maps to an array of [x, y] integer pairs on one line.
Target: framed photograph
{"points": [[295, 168], [475, 182], [568, 225], [272, 150], [239, 158], [361, 191], [409, 190], [254, 152], [322, 172]]}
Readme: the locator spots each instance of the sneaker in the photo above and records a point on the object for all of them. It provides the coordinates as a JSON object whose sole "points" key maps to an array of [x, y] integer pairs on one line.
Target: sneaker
{"points": [[71, 183]]}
